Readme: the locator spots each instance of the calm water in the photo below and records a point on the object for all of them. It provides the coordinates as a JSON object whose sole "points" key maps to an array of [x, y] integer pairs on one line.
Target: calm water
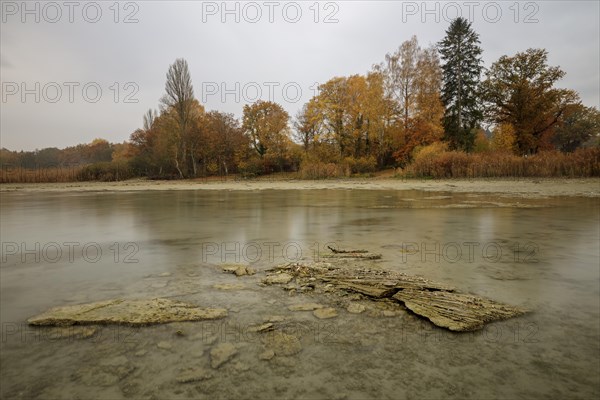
{"points": [[60, 249]]}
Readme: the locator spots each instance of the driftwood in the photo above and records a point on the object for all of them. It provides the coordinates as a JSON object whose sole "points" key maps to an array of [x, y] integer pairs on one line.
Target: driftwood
{"points": [[352, 254], [442, 304], [339, 251]]}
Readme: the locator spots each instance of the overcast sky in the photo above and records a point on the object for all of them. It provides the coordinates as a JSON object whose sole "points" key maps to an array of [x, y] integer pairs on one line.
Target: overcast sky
{"points": [[76, 74]]}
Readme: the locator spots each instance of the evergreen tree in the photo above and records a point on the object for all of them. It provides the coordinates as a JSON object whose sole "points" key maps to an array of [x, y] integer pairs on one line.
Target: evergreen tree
{"points": [[462, 69]]}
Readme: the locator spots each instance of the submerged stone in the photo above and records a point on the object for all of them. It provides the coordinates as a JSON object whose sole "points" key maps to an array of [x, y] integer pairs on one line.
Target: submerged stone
{"points": [[267, 355], [305, 307], [193, 375], [222, 353], [355, 308], [283, 344], [325, 313]]}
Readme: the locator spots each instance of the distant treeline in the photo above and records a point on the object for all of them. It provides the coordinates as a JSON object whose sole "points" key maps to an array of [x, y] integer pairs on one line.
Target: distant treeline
{"points": [[427, 112]]}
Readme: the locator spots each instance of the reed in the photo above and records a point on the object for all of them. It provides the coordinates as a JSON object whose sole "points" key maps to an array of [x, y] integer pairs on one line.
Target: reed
{"points": [[456, 164]]}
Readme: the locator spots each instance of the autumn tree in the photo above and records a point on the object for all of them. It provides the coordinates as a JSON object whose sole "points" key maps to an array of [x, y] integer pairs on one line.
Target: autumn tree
{"points": [[307, 124], [462, 68], [266, 125], [99, 150], [520, 91], [225, 142], [352, 116], [195, 136], [333, 112], [578, 125], [378, 113], [412, 82], [141, 142], [180, 96], [503, 138], [400, 72]]}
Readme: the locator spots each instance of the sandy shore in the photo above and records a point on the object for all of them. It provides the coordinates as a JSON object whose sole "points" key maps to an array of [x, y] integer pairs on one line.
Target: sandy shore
{"points": [[589, 187]]}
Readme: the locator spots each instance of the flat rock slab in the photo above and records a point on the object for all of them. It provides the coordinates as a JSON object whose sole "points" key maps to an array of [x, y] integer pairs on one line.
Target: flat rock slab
{"points": [[127, 312], [455, 311]]}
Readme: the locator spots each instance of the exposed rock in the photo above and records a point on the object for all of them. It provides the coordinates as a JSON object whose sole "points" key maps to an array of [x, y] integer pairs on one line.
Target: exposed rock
{"points": [[193, 375], [455, 311], [238, 269], [275, 318], [222, 353], [305, 307], [283, 344], [267, 355], [325, 313], [356, 308], [275, 279], [128, 312], [164, 274], [140, 353], [440, 303], [231, 268]]}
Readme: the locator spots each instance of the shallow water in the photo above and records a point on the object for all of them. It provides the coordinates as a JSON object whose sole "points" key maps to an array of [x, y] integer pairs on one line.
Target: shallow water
{"points": [[60, 249]]}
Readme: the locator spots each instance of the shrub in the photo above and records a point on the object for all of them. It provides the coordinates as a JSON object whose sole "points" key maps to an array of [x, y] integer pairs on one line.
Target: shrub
{"points": [[251, 168], [361, 165], [314, 169]]}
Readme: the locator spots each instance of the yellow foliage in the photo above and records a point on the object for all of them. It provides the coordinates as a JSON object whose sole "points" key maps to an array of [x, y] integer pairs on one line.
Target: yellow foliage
{"points": [[504, 138], [430, 151]]}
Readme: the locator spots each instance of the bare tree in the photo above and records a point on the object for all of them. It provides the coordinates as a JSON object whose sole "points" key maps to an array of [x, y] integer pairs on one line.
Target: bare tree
{"points": [[149, 118], [180, 96]]}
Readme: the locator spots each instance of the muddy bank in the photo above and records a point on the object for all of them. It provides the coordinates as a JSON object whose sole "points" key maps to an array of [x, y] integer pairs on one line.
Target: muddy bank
{"points": [[527, 188]]}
